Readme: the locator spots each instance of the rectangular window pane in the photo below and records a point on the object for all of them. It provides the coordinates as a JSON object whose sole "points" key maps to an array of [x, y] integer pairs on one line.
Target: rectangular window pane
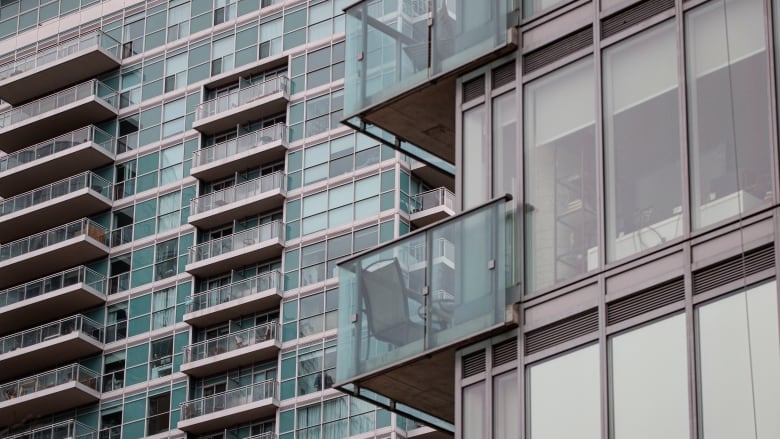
{"points": [[475, 157]]}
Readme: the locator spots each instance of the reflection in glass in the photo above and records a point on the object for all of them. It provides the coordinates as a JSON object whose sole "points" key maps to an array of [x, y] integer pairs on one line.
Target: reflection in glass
{"points": [[649, 385], [728, 114], [560, 175], [642, 142], [739, 365], [566, 387]]}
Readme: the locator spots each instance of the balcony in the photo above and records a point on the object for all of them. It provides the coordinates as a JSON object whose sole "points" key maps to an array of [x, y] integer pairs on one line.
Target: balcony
{"points": [[66, 200], [237, 406], [232, 350], [48, 117], [242, 105], [248, 151], [70, 429], [47, 393], [395, 53], [50, 298], [406, 306], [68, 62], [65, 340], [431, 206], [241, 248], [56, 249], [259, 293], [240, 201], [55, 159]]}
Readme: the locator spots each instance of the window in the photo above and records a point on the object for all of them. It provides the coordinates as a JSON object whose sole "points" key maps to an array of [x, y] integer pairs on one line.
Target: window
{"points": [[116, 322], [113, 371], [161, 358], [165, 259], [163, 308], [159, 408]]}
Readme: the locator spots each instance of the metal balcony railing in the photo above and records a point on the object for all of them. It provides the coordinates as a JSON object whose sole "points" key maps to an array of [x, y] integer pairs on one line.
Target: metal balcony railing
{"points": [[236, 290], [53, 236], [119, 283], [45, 380], [239, 192], [122, 235], [60, 143], [51, 283], [241, 96], [236, 241], [231, 342], [52, 330], [229, 399], [430, 199], [70, 429], [55, 190], [57, 100], [240, 144], [63, 49]]}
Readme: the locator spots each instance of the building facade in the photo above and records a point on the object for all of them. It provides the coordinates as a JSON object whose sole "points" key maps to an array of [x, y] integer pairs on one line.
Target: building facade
{"points": [[177, 189], [611, 272]]}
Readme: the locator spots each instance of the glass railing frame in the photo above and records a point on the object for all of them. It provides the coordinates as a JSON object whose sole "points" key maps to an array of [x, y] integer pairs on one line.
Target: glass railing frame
{"points": [[240, 144], [229, 342], [49, 147], [16, 389], [242, 96], [72, 427], [82, 275], [442, 196], [87, 227], [50, 193], [220, 297], [80, 323], [248, 238], [238, 192], [188, 410]]}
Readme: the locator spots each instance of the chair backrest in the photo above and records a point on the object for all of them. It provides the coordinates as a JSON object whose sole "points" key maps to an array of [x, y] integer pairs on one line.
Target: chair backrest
{"points": [[387, 308]]}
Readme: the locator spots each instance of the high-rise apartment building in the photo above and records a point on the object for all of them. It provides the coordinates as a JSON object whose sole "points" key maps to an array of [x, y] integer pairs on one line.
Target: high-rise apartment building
{"points": [[177, 190], [612, 270]]}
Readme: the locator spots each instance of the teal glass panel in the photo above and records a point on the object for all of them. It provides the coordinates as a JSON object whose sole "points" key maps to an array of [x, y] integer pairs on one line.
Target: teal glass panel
{"points": [[137, 374], [138, 326], [134, 410], [141, 277]]}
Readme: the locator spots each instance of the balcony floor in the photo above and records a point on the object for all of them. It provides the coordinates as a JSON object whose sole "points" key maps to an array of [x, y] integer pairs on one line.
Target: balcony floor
{"points": [[54, 167], [253, 158], [260, 251], [429, 216], [261, 301], [247, 412], [49, 307], [45, 402], [47, 354], [263, 202], [265, 106], [262, 351]]}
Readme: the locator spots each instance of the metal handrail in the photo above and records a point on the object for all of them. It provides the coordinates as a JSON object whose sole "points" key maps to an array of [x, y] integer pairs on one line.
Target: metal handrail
{"points": [[432, 198], [241, 96], [57, 144], [236, 290], [45, 380], [240, 144], [51, 330], [65, 429], [51, 283], [55, 190], [231, 342], [228, 399], [54, 236], [236, 241], [238, 192]]}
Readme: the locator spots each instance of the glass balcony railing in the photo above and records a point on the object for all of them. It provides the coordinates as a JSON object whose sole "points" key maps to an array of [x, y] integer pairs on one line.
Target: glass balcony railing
{"points": [[230, 399], [43, 381], [52, 330], [69, 429], [55, 190], [51, 283], [231, 342], [58, 144], [238, 192], [236, 241], [234, 291], [122, 235], [53, 236], [425, 291], [388, 47], [240, 144], [242, 96], [58, 100], [430, 199], [63, 49]]}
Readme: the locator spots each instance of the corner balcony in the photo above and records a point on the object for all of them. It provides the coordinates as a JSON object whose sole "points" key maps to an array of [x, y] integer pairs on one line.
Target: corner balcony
{"points": [[431, 206], [232, 350], [66, 200], [55, 159], [44, 346], [242, 105], [395, 53], [400, 326], [240, 201], [68, 62], [47, 393], [48, 117], [241, 248], [56, 249], [248, 151], [70, 429], [236, 406], [259, 293], [51, 297]]}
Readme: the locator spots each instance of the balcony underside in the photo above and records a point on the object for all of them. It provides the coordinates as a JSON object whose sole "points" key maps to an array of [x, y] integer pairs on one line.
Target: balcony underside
{"points": [[226, 213], [55, 167], [219, 362], [223, 312], [429, 216], [57, 75], [254, 158], [253, 253], [60, 210], [269, 105], [49, 307], [246, 412], [46, 402], [432, 176], [428, 433], [47, 354], [50, 259], [52, 123]]}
